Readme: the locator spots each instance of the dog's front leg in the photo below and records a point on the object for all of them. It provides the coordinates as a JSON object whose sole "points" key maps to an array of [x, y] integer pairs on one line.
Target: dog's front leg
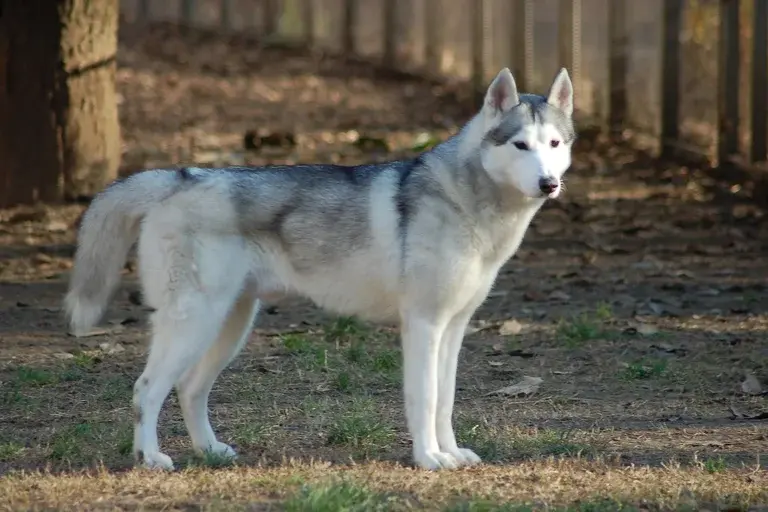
{"points": [[421, 344], [447, 365]]}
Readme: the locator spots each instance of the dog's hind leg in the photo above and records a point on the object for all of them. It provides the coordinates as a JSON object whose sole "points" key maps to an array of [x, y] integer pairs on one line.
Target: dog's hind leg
{"points": [[195, 385], [193, 283], [177, 345]]}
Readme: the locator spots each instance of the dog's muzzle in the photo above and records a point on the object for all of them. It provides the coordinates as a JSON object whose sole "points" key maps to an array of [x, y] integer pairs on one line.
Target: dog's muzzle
{"points": [[548, 185]]}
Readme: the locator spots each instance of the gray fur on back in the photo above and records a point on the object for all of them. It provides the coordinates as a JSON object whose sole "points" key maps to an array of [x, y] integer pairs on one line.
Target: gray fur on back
{"points": [[531, 109]]}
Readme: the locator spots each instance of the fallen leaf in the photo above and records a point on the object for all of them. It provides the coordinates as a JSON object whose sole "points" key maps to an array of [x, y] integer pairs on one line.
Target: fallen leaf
{"points": [[526, 387], [738, 415], [669, 349], [751, 385], [57, 226], [98, 332], [510, 328], [111, 348], [63, 355], [647, 329], [559, 295]]}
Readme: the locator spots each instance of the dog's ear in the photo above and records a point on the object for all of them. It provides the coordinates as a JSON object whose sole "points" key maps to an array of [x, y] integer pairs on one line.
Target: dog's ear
{"points": [[502, 93], [561, 92]]}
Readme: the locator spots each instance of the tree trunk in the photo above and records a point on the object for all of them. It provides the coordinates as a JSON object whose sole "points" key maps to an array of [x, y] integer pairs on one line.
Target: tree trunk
{"points": [[59, 129]]}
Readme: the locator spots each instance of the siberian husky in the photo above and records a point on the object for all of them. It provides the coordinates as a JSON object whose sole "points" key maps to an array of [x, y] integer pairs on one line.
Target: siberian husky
{"points": [[418, 242]]}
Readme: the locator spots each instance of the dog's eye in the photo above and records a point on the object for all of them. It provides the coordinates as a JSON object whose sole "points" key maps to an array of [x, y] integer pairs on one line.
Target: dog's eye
{"points": [[554, 143], [522, 146]]}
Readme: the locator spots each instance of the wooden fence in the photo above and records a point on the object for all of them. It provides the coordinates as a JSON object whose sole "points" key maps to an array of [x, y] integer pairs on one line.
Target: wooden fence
{"points": [[685, 76]]}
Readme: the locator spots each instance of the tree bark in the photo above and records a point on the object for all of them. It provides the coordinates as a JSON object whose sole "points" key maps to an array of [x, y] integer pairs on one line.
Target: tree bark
{"points": [[59, 128]]}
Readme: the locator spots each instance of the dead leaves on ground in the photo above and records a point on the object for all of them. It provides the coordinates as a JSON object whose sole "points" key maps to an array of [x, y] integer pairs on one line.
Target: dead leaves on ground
{"points": [[525, 387]]}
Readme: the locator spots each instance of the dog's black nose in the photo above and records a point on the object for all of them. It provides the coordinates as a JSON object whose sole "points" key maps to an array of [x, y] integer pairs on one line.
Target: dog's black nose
{"points": [[548, 185]]}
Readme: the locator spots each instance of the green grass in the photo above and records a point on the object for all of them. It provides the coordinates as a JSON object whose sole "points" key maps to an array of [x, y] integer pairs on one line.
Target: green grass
{"points": [[716, 465], [86, 441], [29, 376], [250, 434], [69, 443], [208, 459], [9, 450], [361, 429], [342, 497], [587, 326], [645, 369], [494, 444]]}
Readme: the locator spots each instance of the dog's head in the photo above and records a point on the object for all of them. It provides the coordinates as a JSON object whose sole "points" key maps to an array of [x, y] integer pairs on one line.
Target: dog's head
{"points": [[527, 138]]}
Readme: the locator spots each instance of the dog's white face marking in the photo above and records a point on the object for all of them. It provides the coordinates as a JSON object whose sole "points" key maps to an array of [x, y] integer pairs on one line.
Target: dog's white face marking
{"points": [[528, 138]]}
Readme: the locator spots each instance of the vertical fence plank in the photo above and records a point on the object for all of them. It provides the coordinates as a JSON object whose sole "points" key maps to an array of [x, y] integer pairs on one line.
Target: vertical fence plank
{"points": [[188, 10], [670, 76], [390, 33], [143, 11], [225, 15], [270, 17], [728, 82], [759, 103], [433, 39], [569, 40], [618, 46], [477, 31], [348, 27], [308, 21], [522, 43]]}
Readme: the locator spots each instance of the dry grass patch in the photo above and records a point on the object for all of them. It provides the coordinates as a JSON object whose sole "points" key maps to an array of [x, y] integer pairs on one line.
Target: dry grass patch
{"points": [[532, 485]]}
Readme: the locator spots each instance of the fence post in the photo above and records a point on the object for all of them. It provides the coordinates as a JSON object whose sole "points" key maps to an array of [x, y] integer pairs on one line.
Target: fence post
{"points": [[308, 20], [188, 9], [522, 44], [433, 39], [670, 76], [618, 45], [759, 103], [728, 82], [477, 37], [143, 11], [225, 14], [390, 33], [349, 15], [270, 17], [569, 30]]}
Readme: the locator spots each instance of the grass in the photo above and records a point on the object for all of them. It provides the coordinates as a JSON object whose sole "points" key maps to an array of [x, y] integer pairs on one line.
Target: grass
{"points": [[645, 369], [361, 429], [715, 465], [9, 450], [586, 326], [500, 444], [343, 497], [566, 486], [333, 397]]}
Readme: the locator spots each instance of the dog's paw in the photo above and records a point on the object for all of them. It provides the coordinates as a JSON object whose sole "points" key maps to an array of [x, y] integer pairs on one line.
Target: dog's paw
{"points": [[435, 460], [155, 460], [465, 457]]}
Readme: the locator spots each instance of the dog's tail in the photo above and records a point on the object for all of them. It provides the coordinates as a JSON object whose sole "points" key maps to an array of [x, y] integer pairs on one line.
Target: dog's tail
{"points": [[108, 229]]}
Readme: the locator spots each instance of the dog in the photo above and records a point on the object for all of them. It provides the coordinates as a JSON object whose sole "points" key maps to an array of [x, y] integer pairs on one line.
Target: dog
{"points": [[418, 242]]}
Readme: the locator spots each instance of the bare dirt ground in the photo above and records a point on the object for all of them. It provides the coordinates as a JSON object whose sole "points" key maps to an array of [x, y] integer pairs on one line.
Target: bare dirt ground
{"points": [[639, 300]]}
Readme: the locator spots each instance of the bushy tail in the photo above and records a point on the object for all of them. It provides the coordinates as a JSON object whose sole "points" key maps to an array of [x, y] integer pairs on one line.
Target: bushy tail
{"points": [[109, 228]]}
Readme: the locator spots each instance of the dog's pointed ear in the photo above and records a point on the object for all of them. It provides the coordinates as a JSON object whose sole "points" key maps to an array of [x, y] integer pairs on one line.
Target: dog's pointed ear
{"points": [[502, 93], [561, 92]]}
